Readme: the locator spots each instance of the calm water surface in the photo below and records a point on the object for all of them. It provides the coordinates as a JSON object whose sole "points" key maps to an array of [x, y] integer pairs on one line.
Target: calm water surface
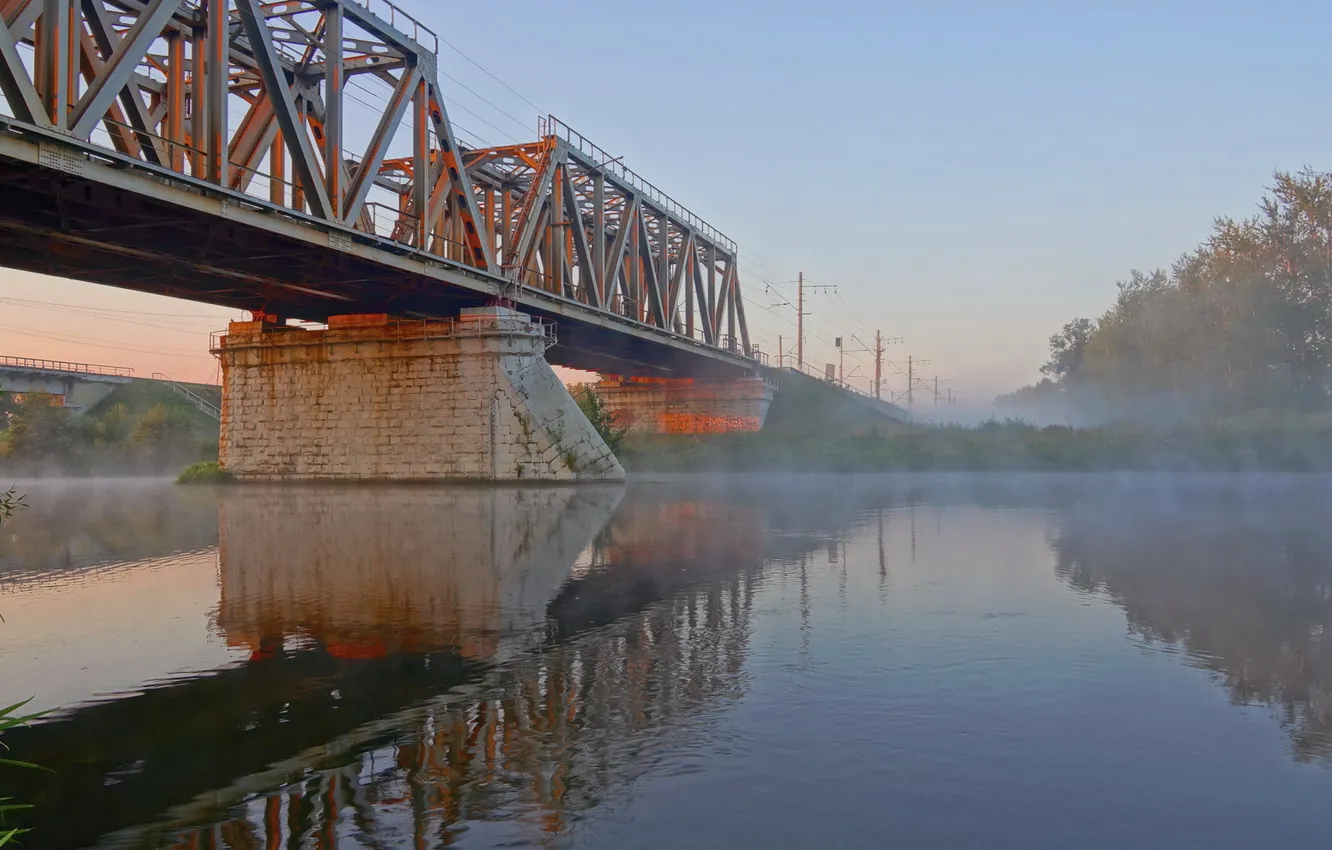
{"points": [[1092, 662]]}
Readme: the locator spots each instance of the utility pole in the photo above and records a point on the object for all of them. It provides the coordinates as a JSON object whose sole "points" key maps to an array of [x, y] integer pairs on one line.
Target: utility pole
{"points": [[780, 351], [800, 321], [936, 392], [879, 342], [841, 362], [878, 362], [800, 314], [912, 363]]}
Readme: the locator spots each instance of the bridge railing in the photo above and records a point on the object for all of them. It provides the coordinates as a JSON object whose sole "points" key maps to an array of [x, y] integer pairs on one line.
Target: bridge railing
{"points": [[552, 126], [66, 366], [415, 329]]}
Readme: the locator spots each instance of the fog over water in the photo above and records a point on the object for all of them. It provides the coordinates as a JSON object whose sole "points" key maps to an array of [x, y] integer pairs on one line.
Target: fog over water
{"points": [[783, 661]]}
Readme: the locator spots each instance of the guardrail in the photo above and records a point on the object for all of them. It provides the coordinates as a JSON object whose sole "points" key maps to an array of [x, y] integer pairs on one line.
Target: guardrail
{"points": [[191, 396], [552, 126], [409, 329], [66, 366]]}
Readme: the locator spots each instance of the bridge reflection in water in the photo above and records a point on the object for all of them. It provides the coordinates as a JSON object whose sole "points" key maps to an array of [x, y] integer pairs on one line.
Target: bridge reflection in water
{"points": [[417, 659], [416, 663]]}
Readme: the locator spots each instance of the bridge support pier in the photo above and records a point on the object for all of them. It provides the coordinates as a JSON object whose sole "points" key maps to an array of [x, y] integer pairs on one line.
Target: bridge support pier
{"points": [[686, 405], [375, 398]]}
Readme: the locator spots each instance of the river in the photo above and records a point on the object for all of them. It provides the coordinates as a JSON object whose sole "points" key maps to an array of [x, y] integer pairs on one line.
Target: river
{"points": [[780, 662]]}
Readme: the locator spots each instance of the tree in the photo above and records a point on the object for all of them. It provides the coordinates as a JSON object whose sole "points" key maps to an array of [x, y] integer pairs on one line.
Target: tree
{"points": [[161, 427], [1066, 350], [8, 406], [113, 426], [602, 418], [1243, 321], [40, 429]]}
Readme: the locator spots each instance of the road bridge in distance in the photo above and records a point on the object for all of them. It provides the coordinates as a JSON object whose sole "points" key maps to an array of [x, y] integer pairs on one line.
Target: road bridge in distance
{"points": [[77, 386]]}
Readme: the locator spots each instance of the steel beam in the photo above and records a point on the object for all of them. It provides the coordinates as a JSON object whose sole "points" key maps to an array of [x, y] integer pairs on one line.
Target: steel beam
{"points": [[21, 95], [120, 67], [53, 60], [599, 267], [421, 177], [333, 75], [217, 74], [589, 280], [379, 142], [274, 76], [483, 253]]}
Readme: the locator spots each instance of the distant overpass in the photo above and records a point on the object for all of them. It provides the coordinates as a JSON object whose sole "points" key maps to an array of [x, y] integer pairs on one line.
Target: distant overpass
{"points": [[78, 386]]}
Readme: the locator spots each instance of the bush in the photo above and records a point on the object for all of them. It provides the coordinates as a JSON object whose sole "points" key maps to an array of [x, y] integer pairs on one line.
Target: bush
{"points": [[206, 472], [601, 418], [40, 428], [161, 426]]}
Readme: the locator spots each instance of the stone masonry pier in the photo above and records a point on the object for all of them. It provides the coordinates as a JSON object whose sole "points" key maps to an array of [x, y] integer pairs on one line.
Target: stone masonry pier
{"points": [[375, 398], [685, 405]]}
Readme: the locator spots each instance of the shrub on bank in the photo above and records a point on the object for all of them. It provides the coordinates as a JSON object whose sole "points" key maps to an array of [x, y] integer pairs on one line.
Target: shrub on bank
{"points": [[1284, 445], [206, 472]]}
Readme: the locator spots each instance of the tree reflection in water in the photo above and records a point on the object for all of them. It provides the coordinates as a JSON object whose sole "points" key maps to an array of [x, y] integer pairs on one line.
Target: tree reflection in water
{"points": [[420, 663], [1237, 575]]}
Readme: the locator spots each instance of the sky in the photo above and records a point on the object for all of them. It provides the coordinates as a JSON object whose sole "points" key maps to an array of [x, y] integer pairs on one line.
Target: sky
{"points": [[968, 175]]}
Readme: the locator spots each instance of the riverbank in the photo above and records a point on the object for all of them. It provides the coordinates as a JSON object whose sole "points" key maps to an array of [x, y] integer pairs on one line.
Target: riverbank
{"points": [[1261, 442]]}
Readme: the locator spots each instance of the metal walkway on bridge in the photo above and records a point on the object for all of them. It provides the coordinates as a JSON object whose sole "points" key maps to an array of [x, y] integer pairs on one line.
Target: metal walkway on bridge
{"points": [[205, 151]]}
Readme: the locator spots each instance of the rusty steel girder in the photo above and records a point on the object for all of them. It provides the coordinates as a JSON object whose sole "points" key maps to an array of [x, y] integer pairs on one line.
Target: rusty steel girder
{"points": [[332, 109]]}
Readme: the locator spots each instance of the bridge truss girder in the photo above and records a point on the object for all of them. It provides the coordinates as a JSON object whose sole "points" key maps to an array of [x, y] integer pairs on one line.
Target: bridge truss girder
{"points": [[161, 80], [253, 96]]}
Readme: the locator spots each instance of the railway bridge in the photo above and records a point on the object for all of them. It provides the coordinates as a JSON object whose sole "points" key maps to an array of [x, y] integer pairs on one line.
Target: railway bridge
{"points": [[295, 158]]}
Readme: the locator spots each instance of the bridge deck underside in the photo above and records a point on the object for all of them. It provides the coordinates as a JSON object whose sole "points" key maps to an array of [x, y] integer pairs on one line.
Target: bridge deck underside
{"points": [[79, 227]]}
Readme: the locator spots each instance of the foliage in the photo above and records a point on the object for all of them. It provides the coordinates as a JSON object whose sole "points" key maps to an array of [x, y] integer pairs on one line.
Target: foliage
{"points": [[137, 429], [112, 426], [160, 426], [11, 501], [1275, 441], [8, 406], [1242, 322], [600, 416], [204, 472], [9, 719], [40, 429]]}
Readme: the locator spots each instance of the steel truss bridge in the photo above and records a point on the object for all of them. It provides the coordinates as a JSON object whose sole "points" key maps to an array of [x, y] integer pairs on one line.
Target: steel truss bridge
{"points": [[295, 157]]}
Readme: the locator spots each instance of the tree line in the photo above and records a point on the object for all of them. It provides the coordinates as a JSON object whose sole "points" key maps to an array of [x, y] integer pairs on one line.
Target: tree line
{"points": [[38, 435], [1242, 322]]}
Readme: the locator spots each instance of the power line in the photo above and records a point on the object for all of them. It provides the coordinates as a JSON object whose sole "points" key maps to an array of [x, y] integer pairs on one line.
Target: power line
{"points": [[475, 93], [84, 341], [105, 318], [486, 71], [30, 302]]}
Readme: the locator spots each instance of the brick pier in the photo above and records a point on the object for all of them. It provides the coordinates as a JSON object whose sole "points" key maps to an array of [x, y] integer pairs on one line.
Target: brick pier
{"points": [[375, 398]]}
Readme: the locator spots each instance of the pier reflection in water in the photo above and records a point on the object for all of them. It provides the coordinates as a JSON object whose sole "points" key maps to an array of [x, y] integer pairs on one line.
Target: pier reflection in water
{"points": [[912, 659]]}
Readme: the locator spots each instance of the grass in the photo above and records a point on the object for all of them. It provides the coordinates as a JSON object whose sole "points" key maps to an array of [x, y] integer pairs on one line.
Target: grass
{"points": [[11, 501], [204, 472], [1269, 443], [9, 719]]}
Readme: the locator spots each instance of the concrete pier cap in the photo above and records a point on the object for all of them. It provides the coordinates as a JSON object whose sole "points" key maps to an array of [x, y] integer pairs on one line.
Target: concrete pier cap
{"points": [[377, 398]]}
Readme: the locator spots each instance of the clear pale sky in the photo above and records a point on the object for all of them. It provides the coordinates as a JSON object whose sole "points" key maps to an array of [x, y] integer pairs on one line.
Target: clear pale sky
{"points": [[970, 175]]}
